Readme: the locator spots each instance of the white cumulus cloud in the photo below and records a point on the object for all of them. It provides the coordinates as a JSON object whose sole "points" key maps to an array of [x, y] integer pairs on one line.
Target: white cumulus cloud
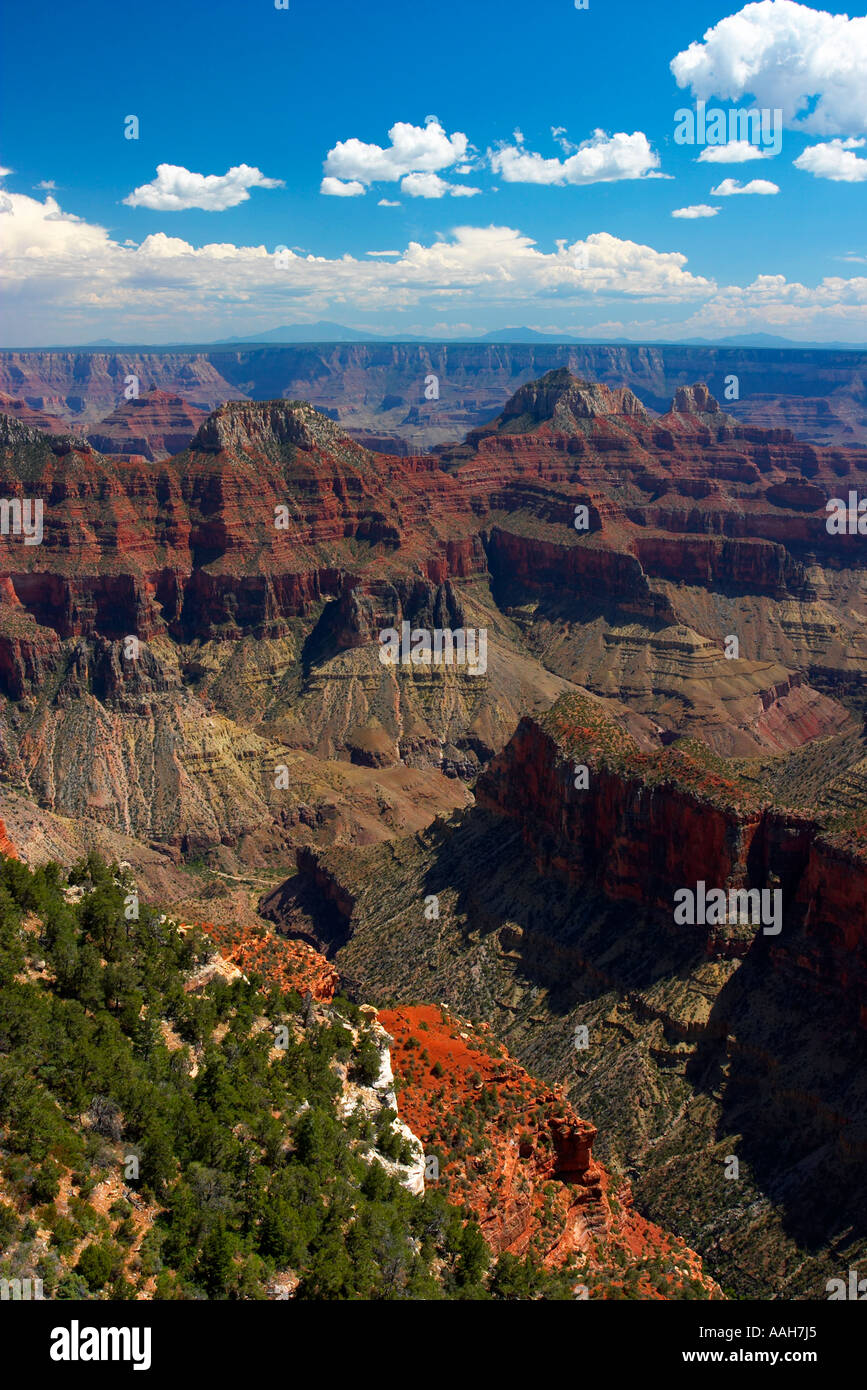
{"points": [[729, 187], [735, 152], [67, 279], [836, 160], [62, 274], [176, 189], [835, 306], [413, 149], [336, 188], [432, 186], [807, 62], [601, 159], [696, 210]]}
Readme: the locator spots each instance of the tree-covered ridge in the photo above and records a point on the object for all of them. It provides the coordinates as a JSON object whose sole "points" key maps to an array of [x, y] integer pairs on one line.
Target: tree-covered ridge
{"points": [[118, 1045]]}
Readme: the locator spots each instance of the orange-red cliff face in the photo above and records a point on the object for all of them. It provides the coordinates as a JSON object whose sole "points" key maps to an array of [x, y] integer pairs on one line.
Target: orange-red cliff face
{"points": [[831, 902], [6, 845], [199, 543], [517, 1155], [634, 837], [155, 425], [639, 826]]}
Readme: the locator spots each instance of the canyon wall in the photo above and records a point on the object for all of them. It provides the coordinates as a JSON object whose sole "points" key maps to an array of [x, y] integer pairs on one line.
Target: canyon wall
{"points": [[641, 826], [378, 389]]}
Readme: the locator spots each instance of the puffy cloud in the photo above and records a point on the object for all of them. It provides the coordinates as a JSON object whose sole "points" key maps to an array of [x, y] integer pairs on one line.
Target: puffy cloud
{"points": [[501, 264], [413, 149], [836, 161], [47, 185], [735, 152], [729, 187], [336, 188], [807, 62], [418, 154], [66, 276], [60, 271], [424, 186], [432, 186], [175, 189], [601, 159], [831, 308], [39, 237], [696, 210], [388, 203]]}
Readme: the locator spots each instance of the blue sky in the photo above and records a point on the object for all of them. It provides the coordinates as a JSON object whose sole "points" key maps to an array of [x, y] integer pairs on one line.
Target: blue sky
{"points": [[486, 96]]}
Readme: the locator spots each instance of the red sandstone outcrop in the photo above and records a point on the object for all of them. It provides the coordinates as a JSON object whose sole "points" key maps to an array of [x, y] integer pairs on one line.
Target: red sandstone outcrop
{"points": [[6, 845], [648, 824], [154, 425], [530, 1179], [285, 965], [37, 419]]}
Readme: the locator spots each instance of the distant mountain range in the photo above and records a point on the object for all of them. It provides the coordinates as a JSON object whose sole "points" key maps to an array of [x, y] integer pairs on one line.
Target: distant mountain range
{"points": [[326, 332]]}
